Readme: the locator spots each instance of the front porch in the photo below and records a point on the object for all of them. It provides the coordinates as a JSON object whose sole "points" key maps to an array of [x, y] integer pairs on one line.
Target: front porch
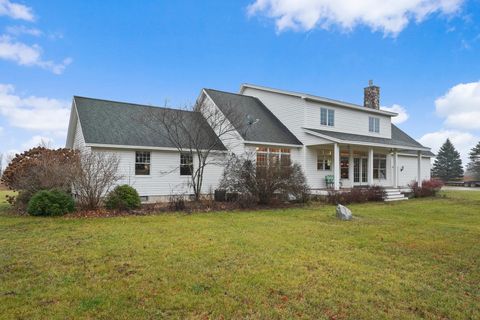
{"points": [[345, 166]]}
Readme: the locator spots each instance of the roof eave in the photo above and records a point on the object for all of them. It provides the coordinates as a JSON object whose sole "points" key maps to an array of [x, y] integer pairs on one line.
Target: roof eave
{"points": [[373, 144]]}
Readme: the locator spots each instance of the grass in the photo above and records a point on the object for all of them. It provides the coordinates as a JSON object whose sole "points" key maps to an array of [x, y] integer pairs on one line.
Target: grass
{"points": [[415, 259]]}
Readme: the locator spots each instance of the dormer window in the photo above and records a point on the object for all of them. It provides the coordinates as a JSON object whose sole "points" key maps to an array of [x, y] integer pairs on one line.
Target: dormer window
{"points": [[327, 117], [374, 124]]}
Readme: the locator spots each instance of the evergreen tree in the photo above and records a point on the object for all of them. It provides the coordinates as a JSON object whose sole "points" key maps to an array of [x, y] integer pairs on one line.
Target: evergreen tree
{"points": [[474, 165], [447, 165]]}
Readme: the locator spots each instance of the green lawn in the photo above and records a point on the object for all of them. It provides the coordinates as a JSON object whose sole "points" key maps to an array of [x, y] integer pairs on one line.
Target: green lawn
{"points": [[415, 259]]}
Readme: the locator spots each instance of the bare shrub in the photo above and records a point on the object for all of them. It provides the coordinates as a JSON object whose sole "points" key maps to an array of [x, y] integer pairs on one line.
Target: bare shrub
{"points": [[356, 195], [176, 202], [96, 174], [263, 184]]}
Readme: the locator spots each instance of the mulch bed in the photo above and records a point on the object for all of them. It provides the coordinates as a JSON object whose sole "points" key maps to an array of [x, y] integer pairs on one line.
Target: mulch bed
{"points": [[191, 207]]}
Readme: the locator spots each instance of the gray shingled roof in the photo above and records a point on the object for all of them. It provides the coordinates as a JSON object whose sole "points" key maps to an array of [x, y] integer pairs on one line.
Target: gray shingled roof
{"points": [[268, 129], [119, 123], [399, 138]]}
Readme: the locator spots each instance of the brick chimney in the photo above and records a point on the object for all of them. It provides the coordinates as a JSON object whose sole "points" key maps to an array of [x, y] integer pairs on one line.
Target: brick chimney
{"points": [[371, 96]]}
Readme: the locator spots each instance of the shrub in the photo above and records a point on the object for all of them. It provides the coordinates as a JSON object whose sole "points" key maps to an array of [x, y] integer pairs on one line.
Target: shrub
{"points": [[263, 184], [429, 188], [50, 203], [123, 198], [38, 169], [356, 195], [97, 173], [177, 203]]}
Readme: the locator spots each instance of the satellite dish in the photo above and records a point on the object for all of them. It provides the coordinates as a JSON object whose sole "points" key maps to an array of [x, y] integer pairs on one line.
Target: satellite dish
{"points": [[251, 120]]}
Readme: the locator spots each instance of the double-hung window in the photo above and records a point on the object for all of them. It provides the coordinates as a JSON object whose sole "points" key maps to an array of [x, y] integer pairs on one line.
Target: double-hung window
{"points": [[324, 160], [142, 163], [379, 166], [327, 117], [373, 124], [186, 164]]}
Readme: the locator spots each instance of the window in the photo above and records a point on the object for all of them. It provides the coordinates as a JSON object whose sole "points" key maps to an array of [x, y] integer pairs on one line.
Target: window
{"points": [[344, 162], [272, 156], [327, 117], [379, 166], [373, 124], [142, 163], [186, 164], [324, 160]]}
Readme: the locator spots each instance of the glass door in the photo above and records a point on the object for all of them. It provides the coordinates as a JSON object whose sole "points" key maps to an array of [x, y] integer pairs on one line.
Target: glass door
{"points": [[364, 170], [360, 171], [356, 170]]}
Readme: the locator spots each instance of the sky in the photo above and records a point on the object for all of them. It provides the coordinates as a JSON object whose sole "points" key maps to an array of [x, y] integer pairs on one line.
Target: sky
{"points": [[424, 54]]}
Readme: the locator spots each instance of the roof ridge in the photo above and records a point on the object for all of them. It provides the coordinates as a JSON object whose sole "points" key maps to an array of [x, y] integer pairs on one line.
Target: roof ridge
{"points": [[232, 93], [299, 94], [133, 104]]}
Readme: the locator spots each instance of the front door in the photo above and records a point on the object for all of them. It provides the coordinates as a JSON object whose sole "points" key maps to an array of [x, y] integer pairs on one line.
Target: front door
{"points": [[360, 171]]}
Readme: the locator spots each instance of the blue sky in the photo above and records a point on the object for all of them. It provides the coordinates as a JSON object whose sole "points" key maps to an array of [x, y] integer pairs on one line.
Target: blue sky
{"points": [[424, 54]]}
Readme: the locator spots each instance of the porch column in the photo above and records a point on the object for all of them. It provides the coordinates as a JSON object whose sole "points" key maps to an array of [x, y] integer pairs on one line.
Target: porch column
{"points": [[336, 166], [370, 167], [350, 166], [395, 168], [419, 168]]}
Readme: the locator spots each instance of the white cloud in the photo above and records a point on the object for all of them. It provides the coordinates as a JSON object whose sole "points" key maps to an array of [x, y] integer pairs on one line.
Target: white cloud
{"points": [[20, 30], [34, 113], [16, 10], [463, 141], [460, 106], [28, 55], [402, 113], [37, 140], [390, 17]]}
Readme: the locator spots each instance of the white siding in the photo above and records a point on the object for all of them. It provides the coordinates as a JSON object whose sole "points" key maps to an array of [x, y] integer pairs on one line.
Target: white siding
{"points": [[78, 139], [315, 178], [289, 110], [164, 178], [296, 113], [346, 120], [409, 173]]}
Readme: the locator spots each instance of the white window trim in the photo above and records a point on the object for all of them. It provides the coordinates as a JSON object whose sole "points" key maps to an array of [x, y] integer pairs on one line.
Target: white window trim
{"points": [[149, 163], [180, 171], [321, 155], [327, 112], [280, 154], [379, 157], [375, 128]]}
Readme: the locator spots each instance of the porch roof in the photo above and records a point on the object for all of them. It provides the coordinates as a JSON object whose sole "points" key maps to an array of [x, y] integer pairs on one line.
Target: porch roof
{"points": [[399, 139]]}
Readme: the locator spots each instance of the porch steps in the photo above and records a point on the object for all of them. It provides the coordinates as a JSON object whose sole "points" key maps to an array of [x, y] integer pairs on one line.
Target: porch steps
{"points": [[394, 195]]}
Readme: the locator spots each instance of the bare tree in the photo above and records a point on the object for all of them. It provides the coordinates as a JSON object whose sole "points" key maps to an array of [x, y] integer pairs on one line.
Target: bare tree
{"points": [[201, 132], [97, 173], [1, 164]]}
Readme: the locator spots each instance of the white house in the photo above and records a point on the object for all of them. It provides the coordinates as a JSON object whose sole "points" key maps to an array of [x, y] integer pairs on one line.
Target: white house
{"points": [[350, 144]]}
